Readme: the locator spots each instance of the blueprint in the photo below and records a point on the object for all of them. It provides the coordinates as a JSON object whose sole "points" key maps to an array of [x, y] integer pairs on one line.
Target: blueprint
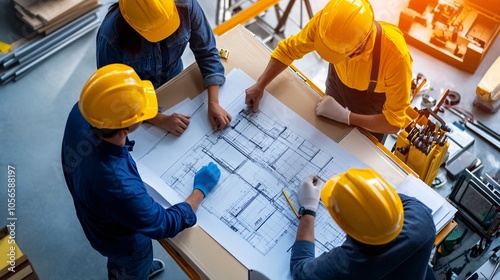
{"points": [[259, 155]]}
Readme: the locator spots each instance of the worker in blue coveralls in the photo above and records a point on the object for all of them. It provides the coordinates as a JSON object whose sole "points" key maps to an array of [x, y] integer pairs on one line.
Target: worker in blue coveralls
{"points": [[117, 215], [388, 235], [151, 36]]}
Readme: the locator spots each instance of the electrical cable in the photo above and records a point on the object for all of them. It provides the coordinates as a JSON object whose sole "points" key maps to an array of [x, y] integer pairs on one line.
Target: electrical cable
{"points": [[461, 112]]}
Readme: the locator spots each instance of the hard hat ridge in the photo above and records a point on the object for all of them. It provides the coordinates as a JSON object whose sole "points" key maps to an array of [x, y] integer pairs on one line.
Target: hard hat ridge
{"points": [[155, 20], [364, 205], [114, 97], [343, 26]]}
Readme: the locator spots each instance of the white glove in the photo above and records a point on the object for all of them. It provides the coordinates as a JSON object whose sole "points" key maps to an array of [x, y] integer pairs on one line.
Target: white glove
{"points": [[308, 193], [330, 108]]}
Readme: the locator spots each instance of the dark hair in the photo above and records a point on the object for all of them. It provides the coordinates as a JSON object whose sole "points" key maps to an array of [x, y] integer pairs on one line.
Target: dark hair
{"points": [[127, 38], [105, 132]]}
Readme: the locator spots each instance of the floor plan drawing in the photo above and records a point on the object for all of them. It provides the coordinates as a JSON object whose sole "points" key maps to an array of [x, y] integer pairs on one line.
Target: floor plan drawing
{"points": [[259, 155]]}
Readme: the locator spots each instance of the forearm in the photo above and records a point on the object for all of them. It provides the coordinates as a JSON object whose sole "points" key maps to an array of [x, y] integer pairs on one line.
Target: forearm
{"points": [[273, 69], [194, 199], [374, 123], [306, 228], [213, 94], [158, 119]]}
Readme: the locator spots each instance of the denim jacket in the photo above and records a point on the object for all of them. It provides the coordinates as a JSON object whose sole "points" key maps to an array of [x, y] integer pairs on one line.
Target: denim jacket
{"points": [[161, 61]]}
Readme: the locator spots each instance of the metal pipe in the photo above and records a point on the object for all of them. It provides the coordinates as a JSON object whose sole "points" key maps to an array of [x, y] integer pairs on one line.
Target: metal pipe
{"points": [[77, 21], [12, 53], [20, 70], [54, 40], [48, 39], [59, 46]]}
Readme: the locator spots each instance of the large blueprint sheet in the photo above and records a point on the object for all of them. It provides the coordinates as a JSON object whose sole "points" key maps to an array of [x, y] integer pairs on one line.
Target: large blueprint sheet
{"points": [[259, 154]]}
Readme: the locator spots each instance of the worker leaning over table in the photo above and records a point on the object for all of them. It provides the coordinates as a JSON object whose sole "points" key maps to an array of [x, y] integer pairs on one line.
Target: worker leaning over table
{"points": [[117, 215], [388, 235], [345, 34], [151, 36]]}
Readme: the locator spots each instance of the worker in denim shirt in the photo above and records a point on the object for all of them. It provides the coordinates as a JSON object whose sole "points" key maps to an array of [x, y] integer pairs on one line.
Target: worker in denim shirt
{"points": [[388, 235], [151, 36]]}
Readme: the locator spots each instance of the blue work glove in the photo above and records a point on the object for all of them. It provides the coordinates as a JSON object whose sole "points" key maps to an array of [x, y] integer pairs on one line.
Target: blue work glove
{"points": [[308, 193], [206, 178]]}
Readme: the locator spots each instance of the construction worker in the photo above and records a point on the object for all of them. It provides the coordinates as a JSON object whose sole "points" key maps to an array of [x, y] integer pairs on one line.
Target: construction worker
{"points": [[369, 75], [151, 36], [388, 235], [117, 215]]}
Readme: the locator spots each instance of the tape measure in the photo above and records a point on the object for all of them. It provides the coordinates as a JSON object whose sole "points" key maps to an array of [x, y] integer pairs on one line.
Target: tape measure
{"points": [[453, 98]]}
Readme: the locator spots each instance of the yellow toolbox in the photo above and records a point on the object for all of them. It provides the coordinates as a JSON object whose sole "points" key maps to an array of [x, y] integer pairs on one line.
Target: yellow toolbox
{"points": [[423, 143]]}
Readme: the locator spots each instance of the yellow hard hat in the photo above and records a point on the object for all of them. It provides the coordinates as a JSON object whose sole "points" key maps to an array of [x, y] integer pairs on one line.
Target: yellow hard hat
{"points": [[155, 20], [115, 97], [364, 205], [344, 25]]}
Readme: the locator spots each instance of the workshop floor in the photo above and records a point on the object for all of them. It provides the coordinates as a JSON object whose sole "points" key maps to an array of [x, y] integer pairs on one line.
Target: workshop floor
{"points": [[33, 113]]}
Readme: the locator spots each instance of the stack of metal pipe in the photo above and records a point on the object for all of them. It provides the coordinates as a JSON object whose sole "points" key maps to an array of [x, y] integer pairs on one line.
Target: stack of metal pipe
{"points": [[19, 61]]}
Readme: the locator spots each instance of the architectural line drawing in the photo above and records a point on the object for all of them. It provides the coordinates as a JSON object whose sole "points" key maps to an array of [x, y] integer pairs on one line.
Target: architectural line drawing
{"points": [[258, 158], [259, 154]]}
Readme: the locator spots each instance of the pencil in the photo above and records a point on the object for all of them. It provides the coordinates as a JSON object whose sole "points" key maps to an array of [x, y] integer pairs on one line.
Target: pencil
{"points": [[290, 203]]}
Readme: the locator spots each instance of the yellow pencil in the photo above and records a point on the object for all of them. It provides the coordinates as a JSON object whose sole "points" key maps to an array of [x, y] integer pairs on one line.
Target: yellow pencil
{"points": [[290, 203]]}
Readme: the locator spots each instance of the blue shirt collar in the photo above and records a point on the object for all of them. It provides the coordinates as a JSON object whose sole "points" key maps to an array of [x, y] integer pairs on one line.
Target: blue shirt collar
{"points": [[114, 149]]}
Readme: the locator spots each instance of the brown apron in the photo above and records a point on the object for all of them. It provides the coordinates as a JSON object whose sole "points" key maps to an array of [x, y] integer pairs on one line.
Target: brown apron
{"points": [[366, 102]]}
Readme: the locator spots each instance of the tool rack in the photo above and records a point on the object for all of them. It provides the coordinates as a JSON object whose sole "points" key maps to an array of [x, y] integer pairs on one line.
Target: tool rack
{"points": [[423, 143]]}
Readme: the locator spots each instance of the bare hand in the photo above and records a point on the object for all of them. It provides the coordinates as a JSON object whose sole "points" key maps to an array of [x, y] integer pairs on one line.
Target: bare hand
{"points": [[175, 123], [219, 118], [253, 96]]}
